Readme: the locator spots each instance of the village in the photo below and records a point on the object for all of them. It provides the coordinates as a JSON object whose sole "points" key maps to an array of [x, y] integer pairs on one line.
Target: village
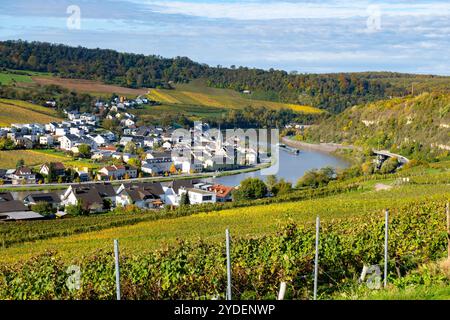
{"points": [[130, 159]]}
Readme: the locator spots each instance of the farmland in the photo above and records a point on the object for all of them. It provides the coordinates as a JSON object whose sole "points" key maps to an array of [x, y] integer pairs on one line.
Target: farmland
{"points": [[197, 93], [14, 111], [196, 269], [249, 221], [8, 159]]}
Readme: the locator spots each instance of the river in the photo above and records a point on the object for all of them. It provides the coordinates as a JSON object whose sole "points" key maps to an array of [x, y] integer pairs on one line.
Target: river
{"points": [[291, 168]]}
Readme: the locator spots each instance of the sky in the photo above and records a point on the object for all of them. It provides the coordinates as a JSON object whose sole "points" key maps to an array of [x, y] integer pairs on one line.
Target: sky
{"points": [[316, 36]]}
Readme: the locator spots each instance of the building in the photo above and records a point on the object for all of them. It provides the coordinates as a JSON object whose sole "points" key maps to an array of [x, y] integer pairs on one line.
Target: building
{"points": [[23, 175], [117, 172], [16, 210], [59, 169], [198, 196], [223, 193], [35, 198], [91, 197]]}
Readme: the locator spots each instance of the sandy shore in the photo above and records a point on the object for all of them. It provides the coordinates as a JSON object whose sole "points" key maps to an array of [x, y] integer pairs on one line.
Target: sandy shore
{"points": [[324, 147]]}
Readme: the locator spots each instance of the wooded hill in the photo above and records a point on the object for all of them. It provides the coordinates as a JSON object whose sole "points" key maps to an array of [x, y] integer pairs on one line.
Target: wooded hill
{"points": [[418, 127], [332, 92]]}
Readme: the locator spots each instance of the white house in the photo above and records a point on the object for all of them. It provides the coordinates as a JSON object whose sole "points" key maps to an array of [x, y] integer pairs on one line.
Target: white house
{"points": [[46, 140], [198, 196]]}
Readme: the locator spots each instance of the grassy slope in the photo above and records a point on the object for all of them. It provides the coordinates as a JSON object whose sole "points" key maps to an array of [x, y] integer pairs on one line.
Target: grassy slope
{"points": [[251, 221], [197, 93], [15, 111], [424, 118], [8, 159]]}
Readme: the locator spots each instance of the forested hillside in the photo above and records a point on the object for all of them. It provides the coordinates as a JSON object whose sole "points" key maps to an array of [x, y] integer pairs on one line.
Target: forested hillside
{"points": [[415, 126], [332, 92]]}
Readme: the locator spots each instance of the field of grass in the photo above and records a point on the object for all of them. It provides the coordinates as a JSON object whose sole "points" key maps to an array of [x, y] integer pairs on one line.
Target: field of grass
{"points": [[8, 159], [15, 111], [243, 222], [8, 78], [197, 93]]}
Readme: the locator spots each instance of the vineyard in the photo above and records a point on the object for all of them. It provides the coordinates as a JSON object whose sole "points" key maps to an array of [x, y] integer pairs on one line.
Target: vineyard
{"points": [[196, 269], [197, 93], [173, 254], [14, 111]]}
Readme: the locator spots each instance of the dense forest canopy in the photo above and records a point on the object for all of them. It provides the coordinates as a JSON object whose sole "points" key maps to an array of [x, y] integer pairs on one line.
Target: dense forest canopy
{"points": [[332, 92]]}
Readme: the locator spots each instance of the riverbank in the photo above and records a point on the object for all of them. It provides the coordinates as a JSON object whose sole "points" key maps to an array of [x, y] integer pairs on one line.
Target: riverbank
{"points": [[323, 147]]}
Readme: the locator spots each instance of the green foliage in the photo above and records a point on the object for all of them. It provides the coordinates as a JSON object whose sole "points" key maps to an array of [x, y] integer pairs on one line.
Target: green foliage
{"points": [[20, 163], [316, 178], [76, 209], [6, 144], [250, 189], [282, 187], [43, 208], [84, 150], [130, 147], [414, 127], [389, 166], [184, 199], [197, 270]]}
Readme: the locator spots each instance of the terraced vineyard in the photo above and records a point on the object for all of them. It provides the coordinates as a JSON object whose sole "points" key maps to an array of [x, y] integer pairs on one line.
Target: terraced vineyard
{"points": [[15, 111], [197, 93]]}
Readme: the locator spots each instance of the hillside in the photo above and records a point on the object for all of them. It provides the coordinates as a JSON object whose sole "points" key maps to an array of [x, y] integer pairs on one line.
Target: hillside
{"points": [[15, 111], [270, 243], [331, 92], [411, 126]]}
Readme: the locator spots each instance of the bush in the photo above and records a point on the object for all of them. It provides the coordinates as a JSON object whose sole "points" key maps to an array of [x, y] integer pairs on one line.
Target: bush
{"points": [[43, 208], [250, 189]]}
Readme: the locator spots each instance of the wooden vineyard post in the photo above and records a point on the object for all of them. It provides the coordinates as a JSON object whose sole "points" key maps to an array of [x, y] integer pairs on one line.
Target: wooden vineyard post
{"points": [[116, 258], [227, 242], [282, 291], [447, 211], [386, 235], [316, 258]]}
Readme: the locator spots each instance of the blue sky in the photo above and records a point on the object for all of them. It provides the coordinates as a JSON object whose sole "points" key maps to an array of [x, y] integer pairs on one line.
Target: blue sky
{"points": [[306, 36]]}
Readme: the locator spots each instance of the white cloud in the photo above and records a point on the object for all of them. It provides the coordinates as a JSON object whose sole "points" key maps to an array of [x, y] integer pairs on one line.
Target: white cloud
{"points": [[259, 10]]}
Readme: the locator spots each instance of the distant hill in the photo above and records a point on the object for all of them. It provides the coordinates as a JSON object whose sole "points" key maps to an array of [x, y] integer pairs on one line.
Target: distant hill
{"points": [[413, 126], [332, 92]]}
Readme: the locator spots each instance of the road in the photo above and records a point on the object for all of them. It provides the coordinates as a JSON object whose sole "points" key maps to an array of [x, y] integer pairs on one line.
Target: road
{"points": [[148, 179]]}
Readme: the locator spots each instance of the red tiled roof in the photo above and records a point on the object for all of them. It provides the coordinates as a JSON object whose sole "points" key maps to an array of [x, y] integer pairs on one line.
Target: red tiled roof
{"points": [[221, 191]]}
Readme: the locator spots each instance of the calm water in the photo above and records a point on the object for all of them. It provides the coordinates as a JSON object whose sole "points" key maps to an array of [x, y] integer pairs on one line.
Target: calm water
{"points": [[291, 166]]}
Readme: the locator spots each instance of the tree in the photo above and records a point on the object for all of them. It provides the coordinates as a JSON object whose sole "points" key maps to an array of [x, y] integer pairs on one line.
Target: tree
{"points": [[77, 209], [43, 208], [134, 162], [271, 181], [173, 169], [130, 147], [250, 189], [184, 200], [389, 166], [282, 187], [20, 163], [84, 150], [51, 172]]}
